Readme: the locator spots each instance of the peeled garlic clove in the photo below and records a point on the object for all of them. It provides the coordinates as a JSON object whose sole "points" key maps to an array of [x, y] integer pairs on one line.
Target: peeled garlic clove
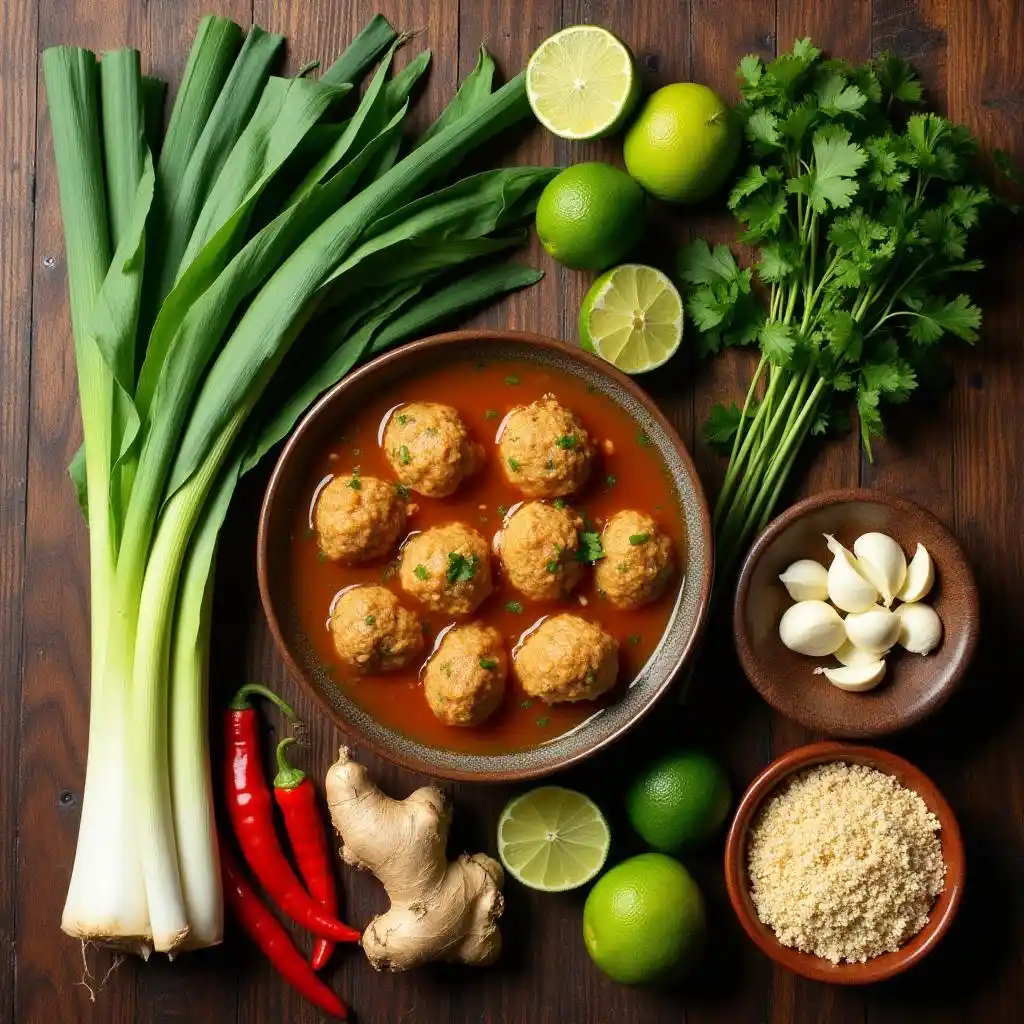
{"points": [[849, 654], [920, 628], [812, 627], [920, 576], [875, 630], [806, 580], [855, 678], [882, 560], [847, 588]]}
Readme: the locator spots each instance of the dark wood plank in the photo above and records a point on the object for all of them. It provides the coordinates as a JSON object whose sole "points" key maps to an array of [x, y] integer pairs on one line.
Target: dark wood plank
{"points": [[17, 157]]}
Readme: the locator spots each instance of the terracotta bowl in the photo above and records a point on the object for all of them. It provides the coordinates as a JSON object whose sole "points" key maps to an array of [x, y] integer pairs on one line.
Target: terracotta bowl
{"points": [[810, 966], [914, 686], [324, 420]]}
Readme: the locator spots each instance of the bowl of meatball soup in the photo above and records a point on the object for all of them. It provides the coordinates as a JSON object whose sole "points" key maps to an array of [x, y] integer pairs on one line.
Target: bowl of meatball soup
{"points": [[486, 555]]}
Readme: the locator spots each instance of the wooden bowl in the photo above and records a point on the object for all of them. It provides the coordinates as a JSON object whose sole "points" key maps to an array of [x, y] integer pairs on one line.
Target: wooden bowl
{"points": [[817, 968], [914, 686], [323, 421]]}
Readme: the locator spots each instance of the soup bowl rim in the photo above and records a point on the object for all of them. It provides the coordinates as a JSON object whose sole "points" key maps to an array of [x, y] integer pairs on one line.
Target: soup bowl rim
{"points": [[396, 753]]}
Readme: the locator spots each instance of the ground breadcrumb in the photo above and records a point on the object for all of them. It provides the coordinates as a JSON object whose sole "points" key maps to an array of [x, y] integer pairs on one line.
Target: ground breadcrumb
{"points": [[845, 863]]}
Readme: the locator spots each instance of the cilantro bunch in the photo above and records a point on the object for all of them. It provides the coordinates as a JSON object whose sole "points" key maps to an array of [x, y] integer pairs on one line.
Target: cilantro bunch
{"points": [[859, 208]]}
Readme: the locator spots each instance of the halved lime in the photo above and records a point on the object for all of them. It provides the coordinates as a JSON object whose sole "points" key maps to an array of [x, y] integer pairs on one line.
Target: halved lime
{"points": [[552, 838], [582, 83], [633, 317]]}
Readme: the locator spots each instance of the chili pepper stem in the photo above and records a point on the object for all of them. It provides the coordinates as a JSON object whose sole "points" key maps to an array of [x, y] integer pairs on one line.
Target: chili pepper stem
{"points": [[240, 701], [288, 776]]}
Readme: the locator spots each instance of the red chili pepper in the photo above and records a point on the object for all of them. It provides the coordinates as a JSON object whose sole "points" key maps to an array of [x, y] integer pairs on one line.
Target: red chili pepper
{"points": [[269, 935], [251, 810], [296, 796]]}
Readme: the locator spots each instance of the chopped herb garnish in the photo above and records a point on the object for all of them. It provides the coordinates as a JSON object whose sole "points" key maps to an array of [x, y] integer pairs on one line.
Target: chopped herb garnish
{"points": [[488, 664], [420, 572], [446, 668], [321, 557], [610, 481], [370, 620], [634, 639], [567, 442], [403, 455], [514, 606], [643, 440], [503, 511], [402, 491], [491, 414], [430, 431], [526, 703], [550, 465], [355, 483], [511, 379], [620, 568], [590, 549], [554, 566], [559, 503], [543, 720], [402, 419], [513, 464], [639, 538], [590, 677], [460, 568]]}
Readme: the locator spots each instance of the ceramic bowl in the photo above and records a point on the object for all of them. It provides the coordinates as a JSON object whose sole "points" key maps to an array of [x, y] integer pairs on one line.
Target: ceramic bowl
{"points": [[324, 419], [914, 686], [806, 964]]}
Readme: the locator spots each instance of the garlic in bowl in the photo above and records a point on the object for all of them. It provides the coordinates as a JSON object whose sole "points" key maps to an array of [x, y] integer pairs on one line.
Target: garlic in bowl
{"points": [[867, 701]]}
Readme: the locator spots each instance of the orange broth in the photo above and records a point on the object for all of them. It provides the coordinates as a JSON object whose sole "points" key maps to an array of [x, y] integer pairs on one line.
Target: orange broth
{"points": [[628, 473]]}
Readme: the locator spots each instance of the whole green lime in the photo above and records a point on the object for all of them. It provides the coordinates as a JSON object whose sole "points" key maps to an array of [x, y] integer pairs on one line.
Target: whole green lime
{"points": [[679, 801], [644, 921], [590, 216], [683, 144]]}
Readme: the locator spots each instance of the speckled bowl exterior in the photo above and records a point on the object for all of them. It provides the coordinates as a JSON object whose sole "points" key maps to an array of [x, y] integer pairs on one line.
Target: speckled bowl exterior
{"points": [[817, 969], [914, 686], [692, 595]]}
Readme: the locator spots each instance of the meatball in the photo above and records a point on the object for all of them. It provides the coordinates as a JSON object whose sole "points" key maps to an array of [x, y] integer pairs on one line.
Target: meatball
{"points": [[430, 449], [372, 632], [447, 568], [357, 518], [638, 560], [465, 678], [545, 452], [567, 658], [539, 550]]}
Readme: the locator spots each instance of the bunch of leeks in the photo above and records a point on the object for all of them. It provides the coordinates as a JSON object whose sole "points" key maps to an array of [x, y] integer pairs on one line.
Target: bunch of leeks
{"points": [[283, 233]]}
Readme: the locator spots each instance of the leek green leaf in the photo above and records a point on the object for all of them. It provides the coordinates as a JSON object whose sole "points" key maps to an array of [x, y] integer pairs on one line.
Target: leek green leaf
{"points": [[376, 36], [473, 91]]}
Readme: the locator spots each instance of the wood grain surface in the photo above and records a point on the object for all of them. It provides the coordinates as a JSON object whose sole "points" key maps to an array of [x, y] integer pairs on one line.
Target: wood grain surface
{"points": [[960, 456]]}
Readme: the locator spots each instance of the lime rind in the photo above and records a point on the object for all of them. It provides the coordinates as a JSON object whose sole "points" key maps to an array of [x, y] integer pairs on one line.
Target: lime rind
{"points": [[553, 839], [633, 318], [582, 83]]}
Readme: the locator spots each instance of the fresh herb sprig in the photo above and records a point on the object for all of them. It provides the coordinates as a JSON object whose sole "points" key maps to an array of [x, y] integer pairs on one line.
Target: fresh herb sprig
{"points": [[861, 210]]}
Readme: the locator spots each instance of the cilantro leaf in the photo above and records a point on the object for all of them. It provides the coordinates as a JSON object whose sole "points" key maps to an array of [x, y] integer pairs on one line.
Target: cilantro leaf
{"points": [[722, 423], [749, 182], [778, 261], [590, 550], [751, 69], [936, 317], [762, 129], [777, 342], [836, 96], [460, 568], [699, 264], [897, 79], [830, 180]]}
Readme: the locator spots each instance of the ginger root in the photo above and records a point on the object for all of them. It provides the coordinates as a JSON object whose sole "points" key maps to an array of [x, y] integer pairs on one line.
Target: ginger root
{"points": [[440, 909]]}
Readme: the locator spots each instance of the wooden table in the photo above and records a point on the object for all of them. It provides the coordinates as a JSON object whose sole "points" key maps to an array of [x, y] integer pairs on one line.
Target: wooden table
{"points": [[960, 456]]}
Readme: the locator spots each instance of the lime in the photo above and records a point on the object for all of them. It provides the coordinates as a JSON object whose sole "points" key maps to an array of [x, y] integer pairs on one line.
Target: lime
{"points": [[679, 801], [683, 144], [633, 317], [582, 83], [552, 839], [644, 921], [590, 215]]}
